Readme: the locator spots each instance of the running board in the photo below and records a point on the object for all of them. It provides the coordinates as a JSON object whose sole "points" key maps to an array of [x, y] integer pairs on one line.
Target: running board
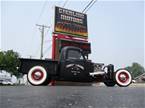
{"points": [[97, 73]]}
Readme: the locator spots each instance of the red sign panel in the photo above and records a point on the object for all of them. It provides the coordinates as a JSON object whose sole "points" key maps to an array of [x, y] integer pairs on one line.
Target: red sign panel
{"points": [[60, 43]]}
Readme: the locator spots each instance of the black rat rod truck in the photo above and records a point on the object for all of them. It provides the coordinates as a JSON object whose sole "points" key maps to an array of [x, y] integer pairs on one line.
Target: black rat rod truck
{"points": [[72, 66], [70, 50]]}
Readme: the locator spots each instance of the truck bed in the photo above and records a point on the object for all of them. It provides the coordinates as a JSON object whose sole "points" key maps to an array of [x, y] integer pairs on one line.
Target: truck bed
{"points": [[49, 64]]}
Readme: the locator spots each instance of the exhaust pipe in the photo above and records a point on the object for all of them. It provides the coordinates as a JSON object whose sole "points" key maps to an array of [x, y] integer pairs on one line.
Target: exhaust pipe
{"points": [[97, 73]]}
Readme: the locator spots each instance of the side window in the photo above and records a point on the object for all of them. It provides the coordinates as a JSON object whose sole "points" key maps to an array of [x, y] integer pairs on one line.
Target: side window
{"points": [[74, 54]]}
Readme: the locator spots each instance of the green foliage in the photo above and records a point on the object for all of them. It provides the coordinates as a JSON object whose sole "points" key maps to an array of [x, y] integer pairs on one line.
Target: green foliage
{"points": [[136, 69], [2, 60], [9, 61]]}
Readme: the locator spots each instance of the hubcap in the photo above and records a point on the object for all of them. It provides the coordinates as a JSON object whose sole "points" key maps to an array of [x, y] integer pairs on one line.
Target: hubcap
{"points": [[37, 75], [123, 77]]}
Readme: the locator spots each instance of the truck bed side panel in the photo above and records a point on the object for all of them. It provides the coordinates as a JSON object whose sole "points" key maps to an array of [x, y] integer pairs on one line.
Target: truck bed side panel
{"points": [[49, 65]]}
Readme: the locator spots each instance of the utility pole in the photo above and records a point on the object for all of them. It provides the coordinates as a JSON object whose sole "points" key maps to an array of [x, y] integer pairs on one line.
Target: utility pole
{"points": [[41, 28]]}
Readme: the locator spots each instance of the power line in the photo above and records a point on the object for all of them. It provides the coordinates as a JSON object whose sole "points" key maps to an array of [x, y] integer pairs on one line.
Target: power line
{"points": [[47, 31], [42, 10], [91, 3], [47, 49], [91, 6], [65, 3], [87, 6]]}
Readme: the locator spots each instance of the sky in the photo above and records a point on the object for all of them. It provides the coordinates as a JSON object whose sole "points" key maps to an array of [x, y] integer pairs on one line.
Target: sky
{"points": [[115, 27]]}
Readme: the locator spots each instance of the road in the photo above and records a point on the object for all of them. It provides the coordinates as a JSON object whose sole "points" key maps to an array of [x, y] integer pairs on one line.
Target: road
{"points": [[72, 97]]}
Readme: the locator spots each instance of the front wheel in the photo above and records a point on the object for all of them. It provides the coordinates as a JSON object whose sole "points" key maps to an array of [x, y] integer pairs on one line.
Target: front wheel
{"points": [[37, 76], [123, 78]]}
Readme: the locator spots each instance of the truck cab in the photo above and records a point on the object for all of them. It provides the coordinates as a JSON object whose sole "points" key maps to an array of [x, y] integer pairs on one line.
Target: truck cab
{"points": [[74, 65]]}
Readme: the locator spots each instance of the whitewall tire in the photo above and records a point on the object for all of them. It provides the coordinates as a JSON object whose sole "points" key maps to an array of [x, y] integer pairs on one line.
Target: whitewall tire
{"points": [[123, 78], [37, 75]]}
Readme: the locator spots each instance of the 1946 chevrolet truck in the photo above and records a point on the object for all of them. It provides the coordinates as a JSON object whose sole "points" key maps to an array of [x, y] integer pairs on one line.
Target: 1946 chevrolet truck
{"points": [[70, 50], [74, 66]]}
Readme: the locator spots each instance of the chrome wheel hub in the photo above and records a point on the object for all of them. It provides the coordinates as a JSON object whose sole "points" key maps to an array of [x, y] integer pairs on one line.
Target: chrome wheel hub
{"points": [[122, 77], [37, 75]]}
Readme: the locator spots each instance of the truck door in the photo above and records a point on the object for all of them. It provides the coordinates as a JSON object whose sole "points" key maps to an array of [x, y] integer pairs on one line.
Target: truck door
{"points": [[74, 68]]}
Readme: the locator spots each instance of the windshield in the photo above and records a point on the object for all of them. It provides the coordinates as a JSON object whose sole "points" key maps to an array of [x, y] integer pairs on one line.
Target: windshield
{"points": [[74, 54]]}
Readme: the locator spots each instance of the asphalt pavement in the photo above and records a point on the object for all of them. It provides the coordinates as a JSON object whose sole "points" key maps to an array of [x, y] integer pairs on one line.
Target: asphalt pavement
{"points": [[72, 97]]}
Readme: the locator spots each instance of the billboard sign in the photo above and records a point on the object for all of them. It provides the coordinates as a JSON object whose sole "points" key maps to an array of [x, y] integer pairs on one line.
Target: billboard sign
{"points": [[70, 22]]}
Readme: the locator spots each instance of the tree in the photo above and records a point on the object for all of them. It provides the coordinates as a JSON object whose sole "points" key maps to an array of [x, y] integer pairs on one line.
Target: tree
{"points": [[9, 61], [136, 69], [2, 60]]}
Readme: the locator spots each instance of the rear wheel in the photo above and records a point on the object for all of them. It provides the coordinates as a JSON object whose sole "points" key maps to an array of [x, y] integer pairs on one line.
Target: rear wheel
{"points": [[37, 76], [123, 78]]}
